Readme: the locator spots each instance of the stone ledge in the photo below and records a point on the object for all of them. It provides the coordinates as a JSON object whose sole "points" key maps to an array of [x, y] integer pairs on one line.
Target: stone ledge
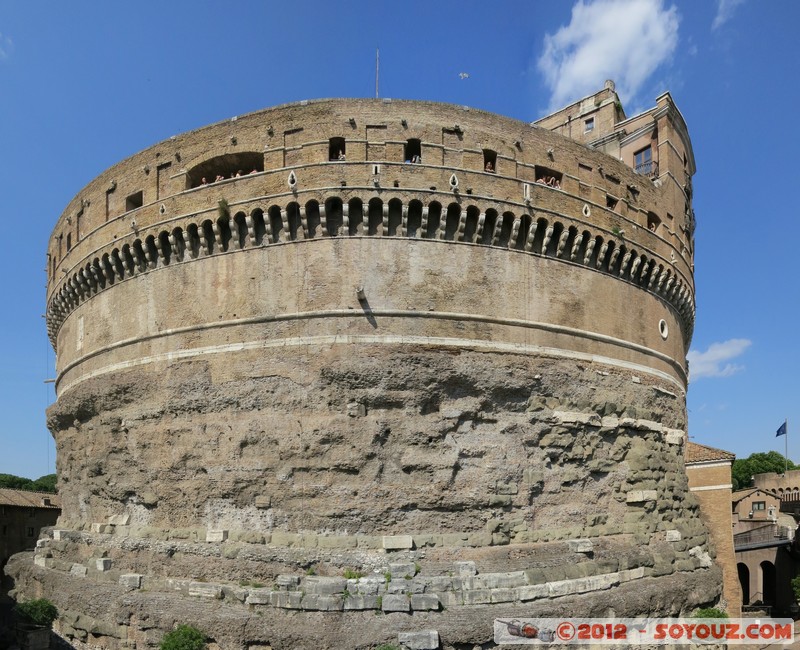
{"points": [[421, 640]]}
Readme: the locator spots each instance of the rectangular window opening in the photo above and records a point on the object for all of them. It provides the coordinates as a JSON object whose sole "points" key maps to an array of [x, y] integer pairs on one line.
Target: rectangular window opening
{"points": [[336, 149], [134, 201], [588, 125], [413, 151], [549, 177], [489, 161]]}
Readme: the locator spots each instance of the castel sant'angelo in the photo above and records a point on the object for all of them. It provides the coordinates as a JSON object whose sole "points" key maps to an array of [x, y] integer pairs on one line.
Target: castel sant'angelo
{"points": [[360, 371]]}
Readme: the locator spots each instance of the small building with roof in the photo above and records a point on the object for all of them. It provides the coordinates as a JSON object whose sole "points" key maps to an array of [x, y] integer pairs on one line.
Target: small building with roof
{"points": [[22, 516], [709, 473]]}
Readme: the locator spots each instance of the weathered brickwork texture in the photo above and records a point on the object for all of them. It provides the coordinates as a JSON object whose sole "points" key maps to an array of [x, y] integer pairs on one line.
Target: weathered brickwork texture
{"points": [[419, 395]]}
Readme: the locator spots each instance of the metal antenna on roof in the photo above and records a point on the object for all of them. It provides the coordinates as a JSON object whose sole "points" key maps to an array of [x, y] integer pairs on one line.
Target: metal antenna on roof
{"points": [[377, 69]]}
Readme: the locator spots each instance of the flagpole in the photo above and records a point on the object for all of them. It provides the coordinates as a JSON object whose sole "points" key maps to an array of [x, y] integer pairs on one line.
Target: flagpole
{"points": [[786, 448]]}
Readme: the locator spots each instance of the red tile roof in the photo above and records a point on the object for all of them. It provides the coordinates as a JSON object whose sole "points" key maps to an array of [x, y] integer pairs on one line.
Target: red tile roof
{"points": [[697, 453], [27, 499]]}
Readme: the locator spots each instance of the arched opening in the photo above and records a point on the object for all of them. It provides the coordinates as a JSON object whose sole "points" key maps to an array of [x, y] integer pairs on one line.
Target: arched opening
{"points": [[313, 222], [471, 223], [295, 225], [489, 225], [538, 235], [108, 269], [522, 233], [570, 251], [97, 272], [116, 263], [413, 151], [605, 255], [275, 224], [434, 219], [452, 221], [179, 248], [225, 235], [165, 247], [653, 222], [598, 245], [334, 215], [505, 230], [336, 149], [137, 254], [356, 217], [744, 582], [623, 261], [128, 260], [69, 242], [240, 224], [489, 161], [768, 582], [654, 271], [639, 268], [259, 226], [375, 218], [414, 222], [192, 240], [395, 218], [151, 254]]}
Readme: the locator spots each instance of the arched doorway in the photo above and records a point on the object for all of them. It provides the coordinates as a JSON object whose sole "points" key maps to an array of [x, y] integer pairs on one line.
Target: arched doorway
{"points": [[768, 582], [744, 582]]}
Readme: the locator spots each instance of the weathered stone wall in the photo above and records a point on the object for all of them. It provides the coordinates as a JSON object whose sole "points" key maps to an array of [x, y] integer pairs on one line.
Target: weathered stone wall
{"points": [[555, 483], [470, 381]]}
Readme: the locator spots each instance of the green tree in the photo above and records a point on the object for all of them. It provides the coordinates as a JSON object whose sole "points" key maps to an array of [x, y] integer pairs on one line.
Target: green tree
{"points": [[15, 482], [46, 483], [759, 463]]}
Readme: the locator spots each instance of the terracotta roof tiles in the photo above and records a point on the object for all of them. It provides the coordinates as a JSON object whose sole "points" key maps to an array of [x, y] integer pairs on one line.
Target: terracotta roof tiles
{"points": [[28, 499], [697, 453]]}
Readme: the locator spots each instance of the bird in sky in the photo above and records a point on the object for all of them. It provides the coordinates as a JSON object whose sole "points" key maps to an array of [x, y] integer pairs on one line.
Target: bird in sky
{"points": [[463, 75]]}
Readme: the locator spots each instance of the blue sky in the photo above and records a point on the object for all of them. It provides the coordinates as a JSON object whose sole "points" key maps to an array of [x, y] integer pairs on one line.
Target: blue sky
{"points": [[85, 84]]}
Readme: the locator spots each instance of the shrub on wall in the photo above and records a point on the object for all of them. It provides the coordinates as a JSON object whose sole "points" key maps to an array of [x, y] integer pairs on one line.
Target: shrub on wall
{"points": [[37, 612], [184, 637], [710, 612]]}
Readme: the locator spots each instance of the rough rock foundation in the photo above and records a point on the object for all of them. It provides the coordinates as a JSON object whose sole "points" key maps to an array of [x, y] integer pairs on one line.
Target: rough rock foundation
{"points": [[325, 402]]}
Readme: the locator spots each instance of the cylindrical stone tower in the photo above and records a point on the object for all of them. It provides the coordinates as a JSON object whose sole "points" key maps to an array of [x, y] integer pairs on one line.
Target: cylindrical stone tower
{"points": [[354, 357]]}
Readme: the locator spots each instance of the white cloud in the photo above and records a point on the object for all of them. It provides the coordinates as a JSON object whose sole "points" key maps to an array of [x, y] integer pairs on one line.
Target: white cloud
{"points": [[725, 9], [6, 46], [623, 40], [713, 362]]}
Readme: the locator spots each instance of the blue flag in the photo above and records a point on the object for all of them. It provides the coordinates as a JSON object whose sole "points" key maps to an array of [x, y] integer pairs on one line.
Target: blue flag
{"points": [[781, 430]]}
